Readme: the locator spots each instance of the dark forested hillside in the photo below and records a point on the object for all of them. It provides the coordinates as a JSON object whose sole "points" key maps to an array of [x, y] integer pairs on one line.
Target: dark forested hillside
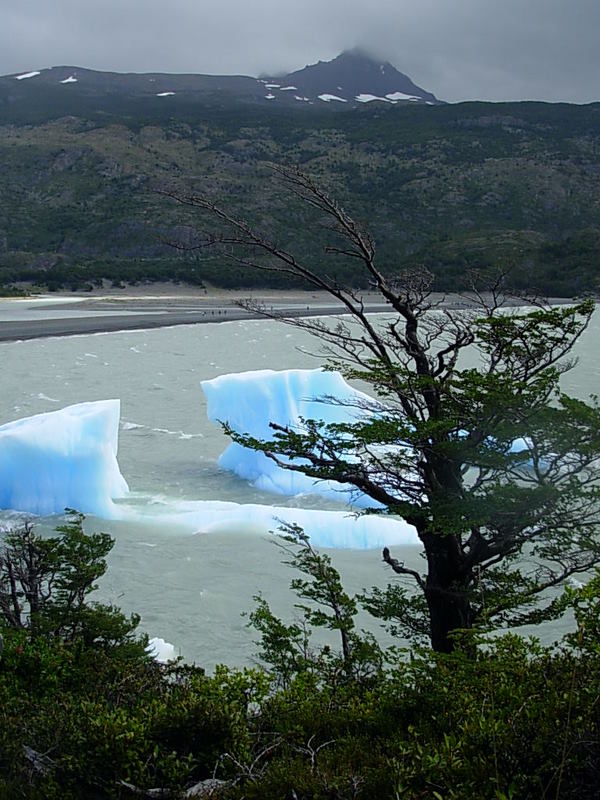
{"points": [[450, 186]]}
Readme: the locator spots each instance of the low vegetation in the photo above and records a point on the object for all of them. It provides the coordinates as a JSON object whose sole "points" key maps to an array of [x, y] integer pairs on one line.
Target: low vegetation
{"points": [[461, 186], [86, 713]]}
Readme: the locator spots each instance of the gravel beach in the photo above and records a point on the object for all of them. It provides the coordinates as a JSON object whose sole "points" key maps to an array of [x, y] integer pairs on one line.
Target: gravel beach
{"points": [[164, 305]]}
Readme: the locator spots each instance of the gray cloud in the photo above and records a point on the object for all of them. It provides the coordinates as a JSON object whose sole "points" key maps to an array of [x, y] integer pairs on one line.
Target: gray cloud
{"points": [[464, 49]]}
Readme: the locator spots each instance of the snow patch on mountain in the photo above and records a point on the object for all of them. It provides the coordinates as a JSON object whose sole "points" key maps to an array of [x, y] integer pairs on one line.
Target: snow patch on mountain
{"points": [[401, 96], [368, 98], [327, 98], [27, 75]]}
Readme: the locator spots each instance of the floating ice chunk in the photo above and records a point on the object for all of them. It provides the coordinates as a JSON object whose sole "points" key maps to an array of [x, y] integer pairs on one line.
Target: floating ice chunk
{"points": [[131, 426], [288, 88], [165, 94], [335, 529], [327, 98], [574, 583], [250, 401], [272, 86], [70, 79], [161, 651], [27, 75], [64, 458], [179, 434]]}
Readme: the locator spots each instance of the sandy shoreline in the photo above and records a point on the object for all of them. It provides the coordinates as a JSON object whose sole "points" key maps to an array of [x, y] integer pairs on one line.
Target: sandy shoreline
{"points": [[164, 305], [168, 295], [146, 308]]}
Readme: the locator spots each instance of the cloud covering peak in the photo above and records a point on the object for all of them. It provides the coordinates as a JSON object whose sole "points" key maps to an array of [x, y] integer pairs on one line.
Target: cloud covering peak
{"points": [[543, 49]]}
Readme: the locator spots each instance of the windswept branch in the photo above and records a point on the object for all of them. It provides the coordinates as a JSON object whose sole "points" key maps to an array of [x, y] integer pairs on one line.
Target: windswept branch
{"points": [[401, 569]]}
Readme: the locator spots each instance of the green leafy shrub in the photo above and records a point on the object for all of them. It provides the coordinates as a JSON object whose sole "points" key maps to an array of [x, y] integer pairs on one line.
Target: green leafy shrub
{"points": [[497, 718]]}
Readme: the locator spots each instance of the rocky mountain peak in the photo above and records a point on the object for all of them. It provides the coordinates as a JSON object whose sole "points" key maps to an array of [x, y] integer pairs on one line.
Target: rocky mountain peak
{"points": [[353, 77]]}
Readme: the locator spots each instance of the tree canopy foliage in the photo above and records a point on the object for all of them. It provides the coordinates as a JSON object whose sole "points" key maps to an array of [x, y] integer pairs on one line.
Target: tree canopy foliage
{"points": [[45, 583], [469, 436]]}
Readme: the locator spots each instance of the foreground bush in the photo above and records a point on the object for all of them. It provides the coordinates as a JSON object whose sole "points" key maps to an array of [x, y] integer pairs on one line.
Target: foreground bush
{"points": [[515, 721], [95, 721], [84, 717]]}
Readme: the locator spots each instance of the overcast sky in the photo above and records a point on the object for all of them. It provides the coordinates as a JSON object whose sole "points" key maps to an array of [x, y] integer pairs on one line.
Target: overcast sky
{"points": [[457, 49]]}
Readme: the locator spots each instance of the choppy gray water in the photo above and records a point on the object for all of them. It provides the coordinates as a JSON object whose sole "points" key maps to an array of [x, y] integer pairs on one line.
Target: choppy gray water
{"points": [[190, 590]]}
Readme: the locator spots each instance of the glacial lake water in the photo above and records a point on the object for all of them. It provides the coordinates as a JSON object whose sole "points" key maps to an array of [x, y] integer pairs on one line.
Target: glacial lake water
{"points": [[192, 589]]}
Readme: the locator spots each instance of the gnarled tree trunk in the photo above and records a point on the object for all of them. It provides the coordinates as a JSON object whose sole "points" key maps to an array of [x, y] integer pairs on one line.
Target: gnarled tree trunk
{"points": [[446, 589]]}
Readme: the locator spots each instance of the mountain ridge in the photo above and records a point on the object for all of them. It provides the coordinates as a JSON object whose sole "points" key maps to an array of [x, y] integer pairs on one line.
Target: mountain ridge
{"points": [[451, 186], [351, 79]]}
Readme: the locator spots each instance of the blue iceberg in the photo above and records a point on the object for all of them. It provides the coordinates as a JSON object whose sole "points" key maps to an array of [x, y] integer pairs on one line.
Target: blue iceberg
{"points": [[68, 458], [63, 459], [250, 401], [334, 529]]}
